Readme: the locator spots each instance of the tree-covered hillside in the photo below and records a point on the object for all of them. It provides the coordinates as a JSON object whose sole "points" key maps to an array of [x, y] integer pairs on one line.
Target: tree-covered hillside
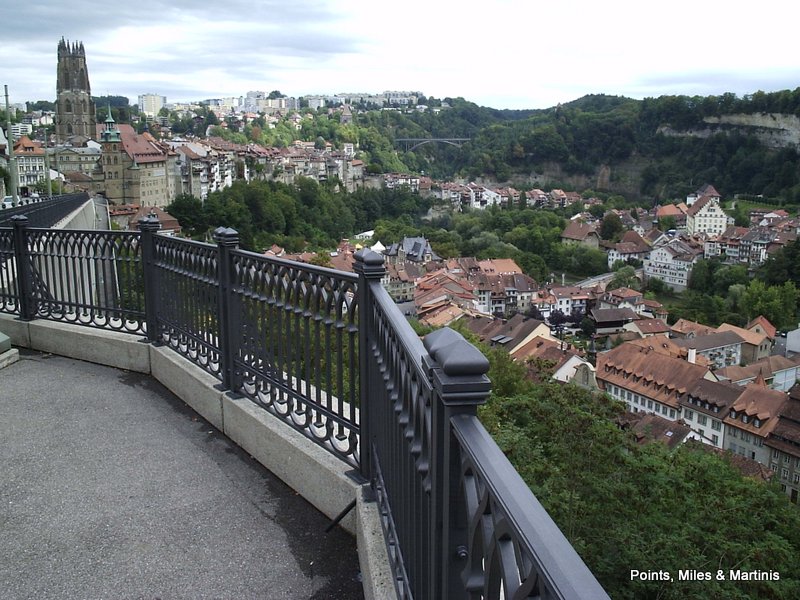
{"points": [[627, 506], [648, 149]]}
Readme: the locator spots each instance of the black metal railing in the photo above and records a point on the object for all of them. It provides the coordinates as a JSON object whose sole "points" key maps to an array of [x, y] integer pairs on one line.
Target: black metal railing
{"points": [[330, 354], [45, 211]]}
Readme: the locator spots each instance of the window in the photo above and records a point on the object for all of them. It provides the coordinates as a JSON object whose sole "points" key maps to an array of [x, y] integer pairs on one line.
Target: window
{"points": [[672, 413], [732, 431], [715, 439], [774, 453], [689, 414], [715, 425], [658, 408], [745, 436], [649, 404], [701, 419], [784, 473], [786, 458], [796, 478], [745, 419]]}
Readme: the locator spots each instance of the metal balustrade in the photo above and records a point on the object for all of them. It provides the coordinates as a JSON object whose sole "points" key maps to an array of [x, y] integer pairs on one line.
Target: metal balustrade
{"points": [[329, 354], [45, 211]]}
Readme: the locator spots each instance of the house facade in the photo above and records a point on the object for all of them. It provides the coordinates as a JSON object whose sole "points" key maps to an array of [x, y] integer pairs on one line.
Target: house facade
{"points": [[647, 380], [706, 216], [672, 263], [751, 419], [721, 348]]}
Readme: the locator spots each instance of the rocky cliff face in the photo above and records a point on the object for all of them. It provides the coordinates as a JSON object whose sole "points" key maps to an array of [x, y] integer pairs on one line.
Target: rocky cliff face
{"points": [[772, 129]]}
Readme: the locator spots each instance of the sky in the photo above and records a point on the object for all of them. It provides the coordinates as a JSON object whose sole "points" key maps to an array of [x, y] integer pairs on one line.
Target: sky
{"points": [[504, 53]]}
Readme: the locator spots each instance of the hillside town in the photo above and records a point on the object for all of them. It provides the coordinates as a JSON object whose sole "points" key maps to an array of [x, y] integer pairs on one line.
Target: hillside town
{"points": [[729, 388]]}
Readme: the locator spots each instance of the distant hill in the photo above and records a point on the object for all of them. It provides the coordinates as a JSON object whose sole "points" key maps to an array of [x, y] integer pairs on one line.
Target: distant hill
{"points": [[652, 149]]}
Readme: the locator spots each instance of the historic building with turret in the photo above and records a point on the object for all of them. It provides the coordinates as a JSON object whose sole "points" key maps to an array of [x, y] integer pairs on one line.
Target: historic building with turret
{"points": [[75, 111]]}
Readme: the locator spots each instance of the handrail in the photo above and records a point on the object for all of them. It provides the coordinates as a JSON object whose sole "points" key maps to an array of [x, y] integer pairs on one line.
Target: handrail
{"points": [[499, 503]]}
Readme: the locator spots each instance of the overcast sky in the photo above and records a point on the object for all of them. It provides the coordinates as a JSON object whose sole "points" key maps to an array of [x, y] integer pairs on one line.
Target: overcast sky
{"points": [[501, 53]]}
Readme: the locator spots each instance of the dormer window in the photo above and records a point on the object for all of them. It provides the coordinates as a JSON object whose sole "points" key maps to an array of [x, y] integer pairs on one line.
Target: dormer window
{"points": [[745, 419], [757, 422], [733, 414]]}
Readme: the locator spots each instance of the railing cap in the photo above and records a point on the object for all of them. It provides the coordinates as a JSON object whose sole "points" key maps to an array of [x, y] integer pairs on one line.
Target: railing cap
{"points": [[226, 236], [454, 354], [369, 263], [368, 257], [149, 223], [19, 220]]}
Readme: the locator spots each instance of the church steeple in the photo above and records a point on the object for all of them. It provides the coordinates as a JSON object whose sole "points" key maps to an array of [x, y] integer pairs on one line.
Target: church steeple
{"points": [[111, 133], [75, 111]]}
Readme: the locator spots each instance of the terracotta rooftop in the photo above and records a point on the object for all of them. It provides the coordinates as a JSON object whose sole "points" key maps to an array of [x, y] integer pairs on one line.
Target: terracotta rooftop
{"points": [[577, 230], [649, 373]]}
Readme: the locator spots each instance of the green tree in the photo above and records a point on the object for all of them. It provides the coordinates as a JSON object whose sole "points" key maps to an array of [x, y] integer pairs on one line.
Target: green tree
{"points": [[624, 277], [189, 212], [620, 503], [666, 223], [611, 226]]}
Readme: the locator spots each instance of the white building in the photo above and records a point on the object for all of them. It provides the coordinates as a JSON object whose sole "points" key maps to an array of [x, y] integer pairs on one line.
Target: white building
{"points": [[672, 263], [151, 104], [706, 216]]}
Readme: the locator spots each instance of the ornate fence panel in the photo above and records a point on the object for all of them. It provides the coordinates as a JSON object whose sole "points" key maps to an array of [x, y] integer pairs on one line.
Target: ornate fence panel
{"points": [[295, 350], [183, 281], [89, 278], [399, 442], [513, 548], [9, 299]]}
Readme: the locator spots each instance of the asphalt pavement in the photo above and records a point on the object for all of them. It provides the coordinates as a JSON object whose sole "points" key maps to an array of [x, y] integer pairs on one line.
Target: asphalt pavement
{"points": [[111, 487]]}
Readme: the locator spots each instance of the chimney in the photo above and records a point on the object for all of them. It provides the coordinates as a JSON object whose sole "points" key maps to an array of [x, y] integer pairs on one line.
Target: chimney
{"points": [[692, 358]]}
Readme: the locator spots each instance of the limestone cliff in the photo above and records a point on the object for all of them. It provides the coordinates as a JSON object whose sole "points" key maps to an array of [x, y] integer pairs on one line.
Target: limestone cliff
{"points": [[772, 129]]}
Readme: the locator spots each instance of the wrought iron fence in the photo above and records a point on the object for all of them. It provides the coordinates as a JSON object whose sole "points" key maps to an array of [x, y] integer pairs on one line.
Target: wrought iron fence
{"points": [[89, 278], [44, 212], [330, 354]]}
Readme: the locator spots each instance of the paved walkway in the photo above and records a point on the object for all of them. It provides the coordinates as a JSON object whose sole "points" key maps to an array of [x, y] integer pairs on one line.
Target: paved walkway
{"points": [[110, 487]]}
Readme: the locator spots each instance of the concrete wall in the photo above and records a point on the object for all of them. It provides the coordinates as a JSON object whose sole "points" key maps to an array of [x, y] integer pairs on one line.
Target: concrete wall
{"points": [[313, 472]]}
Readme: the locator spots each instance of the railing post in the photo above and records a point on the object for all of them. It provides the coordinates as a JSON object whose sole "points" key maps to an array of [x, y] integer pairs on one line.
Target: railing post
{"points": [[458, 373], [227, 239], [369, 267], [148, 226], [27, 303]]}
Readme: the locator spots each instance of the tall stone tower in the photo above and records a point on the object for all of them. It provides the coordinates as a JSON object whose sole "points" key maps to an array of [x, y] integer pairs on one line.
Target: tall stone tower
{"points": [[75, 111]]}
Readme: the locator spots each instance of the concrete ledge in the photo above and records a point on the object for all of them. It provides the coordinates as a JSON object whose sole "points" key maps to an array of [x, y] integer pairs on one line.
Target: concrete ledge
{"points": [[120, 350], [17, 330], [9, 357], [373, 557], [188, 382], [310, 470]]}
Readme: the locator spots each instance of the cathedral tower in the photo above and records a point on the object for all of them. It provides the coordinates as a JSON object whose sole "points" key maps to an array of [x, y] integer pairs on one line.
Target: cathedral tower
{"points": [[75, 114]]}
